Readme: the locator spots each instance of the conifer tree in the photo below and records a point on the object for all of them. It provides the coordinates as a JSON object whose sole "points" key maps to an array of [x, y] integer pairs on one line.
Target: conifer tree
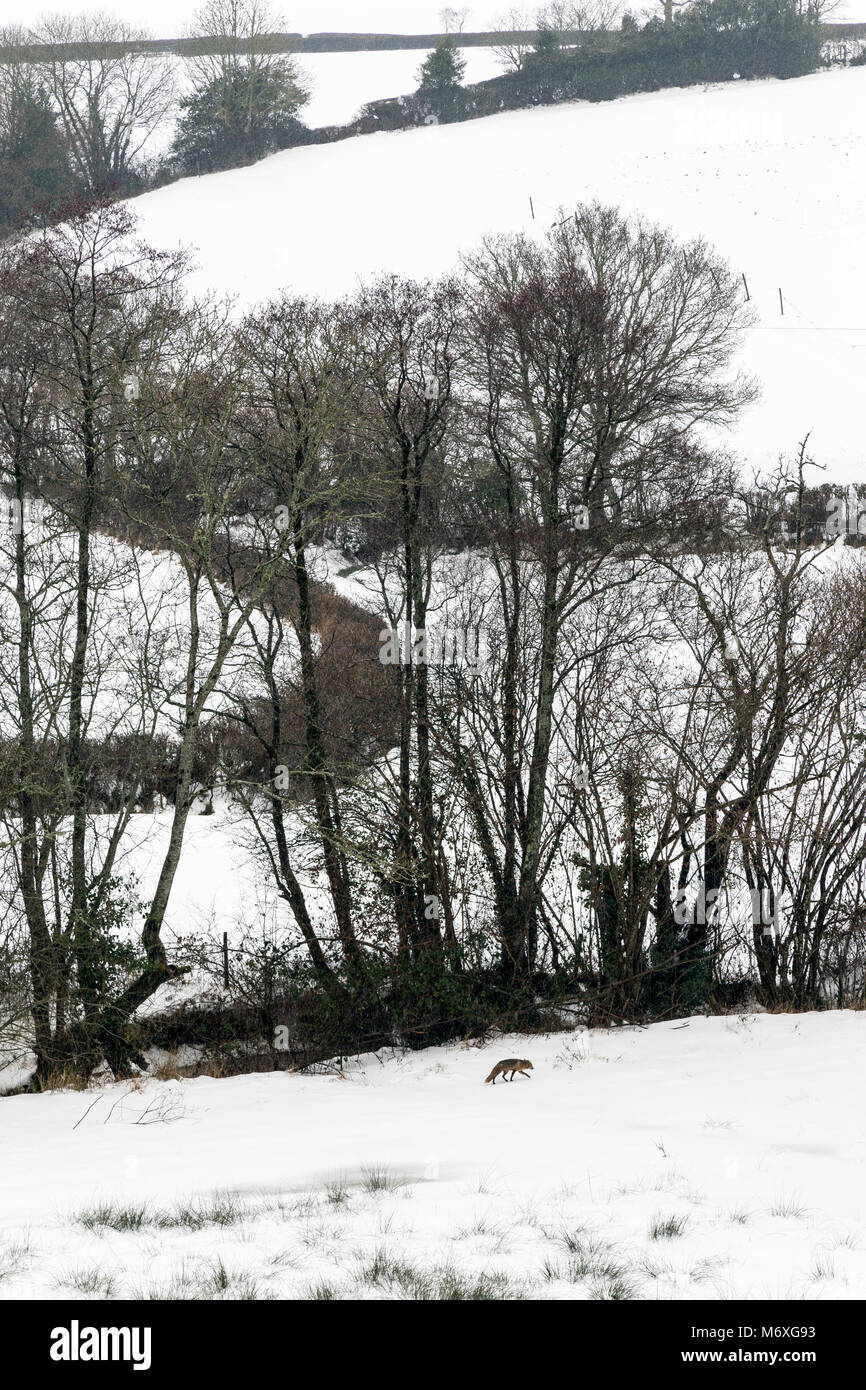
{"points": [[440, 77]]}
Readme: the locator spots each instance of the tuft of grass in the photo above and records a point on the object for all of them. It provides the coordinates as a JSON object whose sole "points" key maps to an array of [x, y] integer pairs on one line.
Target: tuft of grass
{"points": [[337, 1193], [612, 1289], [484, 1185], [197, 1215], [214, 1282], [90, 1280], [822, 1270], [489, 1286], [482, 1228], [181, 1286], [284, 1259], [574, 1054], [303, 1207], [385, 1271], [320, 1293], [740, 1216], [706, 1269], [667, 1227], [220, 1282], [592, 1259], [787, 1207], [321, 1236], [651, 1268], [399, 1278], [574, 1241], [112, 1216], [849, 1242], [380, 1179], [13, 1256], [220, 1210]]}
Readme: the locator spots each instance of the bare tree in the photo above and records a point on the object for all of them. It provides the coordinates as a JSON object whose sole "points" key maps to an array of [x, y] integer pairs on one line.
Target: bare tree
{"points": [[453, 19], [596, 354], [301, 385], [579, 16], [520, 25], [110, 103], [407, 336], [76, 314], [668, 7]]}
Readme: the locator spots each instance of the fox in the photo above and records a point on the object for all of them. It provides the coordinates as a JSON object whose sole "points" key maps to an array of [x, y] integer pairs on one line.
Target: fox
{"points": [[512, 1064]]}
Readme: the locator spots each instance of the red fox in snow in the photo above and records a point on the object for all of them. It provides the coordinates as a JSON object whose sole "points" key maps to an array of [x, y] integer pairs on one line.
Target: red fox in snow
{"points": [[511, 1064]]}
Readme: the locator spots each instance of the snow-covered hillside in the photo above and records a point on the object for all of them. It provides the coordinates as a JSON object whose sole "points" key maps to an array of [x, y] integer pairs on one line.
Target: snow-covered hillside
{"points": [[772, 172], [701, 1159]]}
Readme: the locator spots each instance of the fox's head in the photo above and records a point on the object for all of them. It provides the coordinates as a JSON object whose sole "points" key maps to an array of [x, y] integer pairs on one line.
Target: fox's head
{"points": [[529, 1066]]}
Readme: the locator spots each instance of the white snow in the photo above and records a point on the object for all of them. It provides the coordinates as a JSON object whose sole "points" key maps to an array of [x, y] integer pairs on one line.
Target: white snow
{"points": [[742, 1127], [771, 172]]}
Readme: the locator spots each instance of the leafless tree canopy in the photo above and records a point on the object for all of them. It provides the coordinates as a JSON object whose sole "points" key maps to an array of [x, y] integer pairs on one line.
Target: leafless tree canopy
{"points": [[109, 105], [596, 721]]}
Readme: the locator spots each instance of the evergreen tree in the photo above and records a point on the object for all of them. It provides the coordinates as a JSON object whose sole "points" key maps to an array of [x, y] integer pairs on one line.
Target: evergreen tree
{"points": [[239, 116], [35, 167], [440, 77], [547, 41]]}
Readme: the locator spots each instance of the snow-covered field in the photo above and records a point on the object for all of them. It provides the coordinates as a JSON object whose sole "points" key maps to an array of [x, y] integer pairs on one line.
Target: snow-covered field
{"points": [[706, 1158], [342, 82], [771, 172]]}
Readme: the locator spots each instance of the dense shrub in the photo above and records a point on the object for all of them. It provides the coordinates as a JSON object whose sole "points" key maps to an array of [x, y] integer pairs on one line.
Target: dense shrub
{"points": [[35, 168], [236, 120], [712, 41]]}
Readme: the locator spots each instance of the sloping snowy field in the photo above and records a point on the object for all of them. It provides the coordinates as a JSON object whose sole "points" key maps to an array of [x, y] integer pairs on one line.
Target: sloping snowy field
{"points": [[707, 1158], [771, 172]]}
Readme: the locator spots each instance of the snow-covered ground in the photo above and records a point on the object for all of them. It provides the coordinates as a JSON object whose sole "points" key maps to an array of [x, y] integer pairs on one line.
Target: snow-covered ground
{"points": [[771, 172], [706, 1158]]}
